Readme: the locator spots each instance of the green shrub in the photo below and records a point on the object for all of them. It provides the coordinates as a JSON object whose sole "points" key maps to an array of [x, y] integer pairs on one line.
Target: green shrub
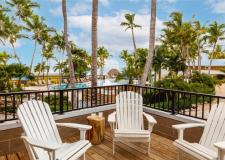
{"points": [[203, 79], [53, 101], [200, 83]]}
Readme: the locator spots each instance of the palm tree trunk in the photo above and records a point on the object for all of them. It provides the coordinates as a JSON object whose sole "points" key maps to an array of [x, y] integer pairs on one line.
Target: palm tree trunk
{"points": [[101, 71], [32, 59], [94, 43], [199, 58], [60, 76], [47, 72], [148, 65], [160, 73], [15, 54], [68, 50], [211, 60], [134, 43]]}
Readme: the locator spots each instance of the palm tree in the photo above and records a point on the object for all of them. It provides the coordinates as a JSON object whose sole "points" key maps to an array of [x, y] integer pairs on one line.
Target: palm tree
{"points": [[48, 54], [129, 71], [68, 49], [201, 41], [217, 54], [159, 59], [36, 25], [40, 68], [103, 54], [175, 63], [23, 7], [59, 66], [215, 33], [181, 36], [14, 34], [81, 61], [4, 22], [129, 24], [4, 57], [148, 65], [94, 42]]}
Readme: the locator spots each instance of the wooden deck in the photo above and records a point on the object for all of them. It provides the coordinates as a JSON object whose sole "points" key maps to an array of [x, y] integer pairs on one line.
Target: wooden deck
{"points": [[161, 149]]}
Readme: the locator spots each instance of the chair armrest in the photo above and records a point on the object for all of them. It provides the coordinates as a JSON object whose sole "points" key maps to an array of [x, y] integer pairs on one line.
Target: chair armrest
{"points": [[112, 117], [150, 118], [221, 149], [81, 127], [220, 145], [112, 120], [188, 125], [41, 144], [181, 127]]}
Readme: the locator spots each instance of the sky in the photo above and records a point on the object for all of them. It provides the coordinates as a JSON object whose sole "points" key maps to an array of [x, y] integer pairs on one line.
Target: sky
{"points": [[111, 13]]}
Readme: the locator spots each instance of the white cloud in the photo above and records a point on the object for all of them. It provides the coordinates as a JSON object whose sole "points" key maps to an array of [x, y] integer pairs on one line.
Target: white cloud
{"points": [[111, 34], [104, 2], [56, 1], [111, 63], [167, 1], [56, 11], [7, 45], [77, 8], [218, 6], [80, 8], [171, 1]]}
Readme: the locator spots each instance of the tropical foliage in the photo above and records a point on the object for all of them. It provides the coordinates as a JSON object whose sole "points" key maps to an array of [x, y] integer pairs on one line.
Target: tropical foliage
{"points": [[129, 24]]}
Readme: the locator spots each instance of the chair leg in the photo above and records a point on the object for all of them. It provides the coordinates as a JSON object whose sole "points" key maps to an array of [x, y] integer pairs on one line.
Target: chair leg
{"points": [[221, 155], [149, 147], [180, 155], [113, 147], [84, 157]]}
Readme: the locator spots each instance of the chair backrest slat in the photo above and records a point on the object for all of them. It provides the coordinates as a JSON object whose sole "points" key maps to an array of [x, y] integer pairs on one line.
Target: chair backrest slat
{"points": [[214, 130], [38, 123], [129, 109]]}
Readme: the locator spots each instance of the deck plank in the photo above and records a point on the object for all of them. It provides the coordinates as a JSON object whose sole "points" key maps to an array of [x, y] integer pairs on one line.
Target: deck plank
{"points": [[161, 149]]}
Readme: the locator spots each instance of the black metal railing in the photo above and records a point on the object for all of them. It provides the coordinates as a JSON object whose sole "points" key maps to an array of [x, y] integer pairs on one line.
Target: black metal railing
{"points": [[173, 101], [60, 101], [197, 105]]}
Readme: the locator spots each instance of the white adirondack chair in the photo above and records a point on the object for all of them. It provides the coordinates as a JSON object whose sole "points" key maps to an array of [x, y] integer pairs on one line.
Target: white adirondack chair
{"points": [[42, 138], [212, 142], [127, 121]]}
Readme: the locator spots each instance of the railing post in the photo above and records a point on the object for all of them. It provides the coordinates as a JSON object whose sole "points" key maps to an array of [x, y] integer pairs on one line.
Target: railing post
{"points": [[173, 105], [61, 101]]}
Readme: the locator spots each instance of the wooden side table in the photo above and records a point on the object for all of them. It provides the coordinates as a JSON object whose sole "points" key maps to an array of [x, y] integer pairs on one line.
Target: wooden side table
{"points": [[96, 134]]}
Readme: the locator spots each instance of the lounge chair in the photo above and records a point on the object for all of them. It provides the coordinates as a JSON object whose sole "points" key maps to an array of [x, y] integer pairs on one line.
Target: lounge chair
{"points": [[40, 83], [42, 139], [212, 143], [65, 81], [44, 82], [127, 121]]}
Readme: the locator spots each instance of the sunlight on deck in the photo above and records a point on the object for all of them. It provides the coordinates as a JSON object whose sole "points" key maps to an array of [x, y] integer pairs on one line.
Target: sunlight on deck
{"points": [[161, 149]]}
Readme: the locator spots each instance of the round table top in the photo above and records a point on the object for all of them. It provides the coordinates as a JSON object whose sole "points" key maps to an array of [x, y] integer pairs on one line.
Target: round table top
{"points": [[96, 118]]}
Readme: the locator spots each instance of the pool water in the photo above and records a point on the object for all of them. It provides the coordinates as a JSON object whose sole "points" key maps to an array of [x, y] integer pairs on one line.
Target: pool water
{"points": [[65, 86], [88, 84]]}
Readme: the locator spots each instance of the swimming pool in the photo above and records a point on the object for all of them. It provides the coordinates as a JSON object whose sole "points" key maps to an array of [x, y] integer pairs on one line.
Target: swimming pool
{"points": [[65, 86], [106, 82]]}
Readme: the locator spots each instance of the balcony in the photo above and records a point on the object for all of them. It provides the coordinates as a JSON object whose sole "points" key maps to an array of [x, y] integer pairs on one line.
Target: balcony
{"points": [[169, 107]]}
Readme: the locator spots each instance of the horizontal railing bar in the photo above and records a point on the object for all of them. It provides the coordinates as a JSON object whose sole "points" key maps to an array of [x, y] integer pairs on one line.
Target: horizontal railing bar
{"points": [[54, 90], [173, 90]]}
